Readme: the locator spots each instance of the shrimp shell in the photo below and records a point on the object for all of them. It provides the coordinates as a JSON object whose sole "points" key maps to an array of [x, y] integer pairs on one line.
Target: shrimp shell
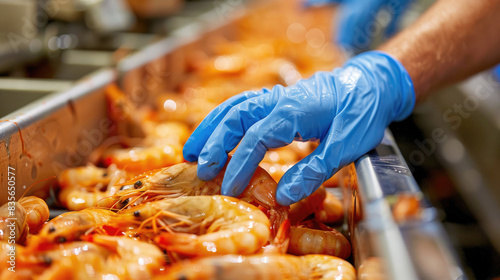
{"points": [[300, 210], [13, 219], [37, 212], [204, 225], [180, 180], [318, 240], [82, 187], [71, 225], [330, 211], [262, 267]]}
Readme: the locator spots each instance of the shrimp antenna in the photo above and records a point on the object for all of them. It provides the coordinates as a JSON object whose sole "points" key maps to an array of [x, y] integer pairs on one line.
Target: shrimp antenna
{"points": [[35, 183]]}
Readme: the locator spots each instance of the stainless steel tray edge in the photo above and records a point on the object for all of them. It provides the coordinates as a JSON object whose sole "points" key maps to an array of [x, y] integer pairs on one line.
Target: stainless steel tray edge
{"points": [[53, 133], [381, 174]]}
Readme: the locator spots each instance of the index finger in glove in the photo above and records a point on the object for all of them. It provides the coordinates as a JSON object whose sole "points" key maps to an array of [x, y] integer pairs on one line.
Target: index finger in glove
{"points": [[228, 134]]}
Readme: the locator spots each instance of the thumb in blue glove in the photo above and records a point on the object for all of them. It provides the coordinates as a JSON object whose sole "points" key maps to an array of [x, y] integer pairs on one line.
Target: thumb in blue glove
{"points": [[347, 110], [357, 21]]}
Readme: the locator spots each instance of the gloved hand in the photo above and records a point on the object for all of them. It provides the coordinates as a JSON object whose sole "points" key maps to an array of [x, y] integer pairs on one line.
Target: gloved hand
{"points": [[357, 22], [347, 109]]}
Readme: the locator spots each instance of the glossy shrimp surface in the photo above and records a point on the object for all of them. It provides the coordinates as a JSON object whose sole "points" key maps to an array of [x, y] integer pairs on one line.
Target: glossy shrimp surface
{"points": [[314, 238], [330, 210], [262, 267], [13, 223], [37, 212], [129, 258], [82, 187], [204, 225], [300, 210], [181, 180], [72, 225]]}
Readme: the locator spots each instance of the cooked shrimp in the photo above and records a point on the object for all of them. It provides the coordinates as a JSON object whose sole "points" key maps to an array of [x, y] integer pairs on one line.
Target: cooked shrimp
{"points": [[204, 225], [140, 159], [300, 210], [329, 267], [181, 180], [13, 223], [407, 207], [62, 260], [37, 212], [330, 210], [82, 187], [13, 256], [314, 238], [262, 267], [71, 225], [170, 182], [97, 257], [129, 258], [161, 147]]}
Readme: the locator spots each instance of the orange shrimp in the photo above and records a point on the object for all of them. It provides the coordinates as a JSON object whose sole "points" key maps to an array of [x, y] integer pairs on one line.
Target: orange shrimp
{"points": [[13, 224], [37, 212], [19, 219], [407, 207], [300, 210], [262, 267], [315, 238], [82, 187], [203, 225], [98, 257], [161, 147], [129, 258], [330, 210], [181, 180], [71, 225]]}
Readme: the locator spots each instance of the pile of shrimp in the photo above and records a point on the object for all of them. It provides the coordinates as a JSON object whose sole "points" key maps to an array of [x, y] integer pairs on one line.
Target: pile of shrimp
{"points": [[137, 210]]}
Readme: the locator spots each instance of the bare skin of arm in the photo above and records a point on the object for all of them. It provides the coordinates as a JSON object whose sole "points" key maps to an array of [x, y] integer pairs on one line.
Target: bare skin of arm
{"points": [[451, 41]]}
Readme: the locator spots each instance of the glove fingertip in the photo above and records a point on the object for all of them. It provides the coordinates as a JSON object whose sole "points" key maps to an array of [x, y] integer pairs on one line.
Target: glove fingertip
{"points": [[283, 197], [231, 188], [191, 150], [208, 170]]}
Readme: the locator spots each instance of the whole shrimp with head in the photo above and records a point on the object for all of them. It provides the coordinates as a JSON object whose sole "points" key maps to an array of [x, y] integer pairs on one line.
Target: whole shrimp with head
{"points": [[203, 225], [181, 180]]}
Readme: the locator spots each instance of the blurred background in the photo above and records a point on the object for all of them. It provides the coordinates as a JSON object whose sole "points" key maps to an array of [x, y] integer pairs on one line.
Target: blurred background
{"points": [[451, 142]]}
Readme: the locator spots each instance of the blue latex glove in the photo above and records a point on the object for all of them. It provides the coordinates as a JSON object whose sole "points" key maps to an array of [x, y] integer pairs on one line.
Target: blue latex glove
{"points": [[357, 22], [347, 109], [496, 72]]}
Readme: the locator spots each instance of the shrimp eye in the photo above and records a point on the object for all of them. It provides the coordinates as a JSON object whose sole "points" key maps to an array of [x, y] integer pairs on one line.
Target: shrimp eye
{"points": [[137, 184], [61, 239], [105, 174], [137, 214], [51, 229], [47, 260], [182, 277], [126, 201]]}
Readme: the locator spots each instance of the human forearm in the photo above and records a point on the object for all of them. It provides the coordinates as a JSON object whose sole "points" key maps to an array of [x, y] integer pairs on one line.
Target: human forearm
{"points": [[454, 39]]}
